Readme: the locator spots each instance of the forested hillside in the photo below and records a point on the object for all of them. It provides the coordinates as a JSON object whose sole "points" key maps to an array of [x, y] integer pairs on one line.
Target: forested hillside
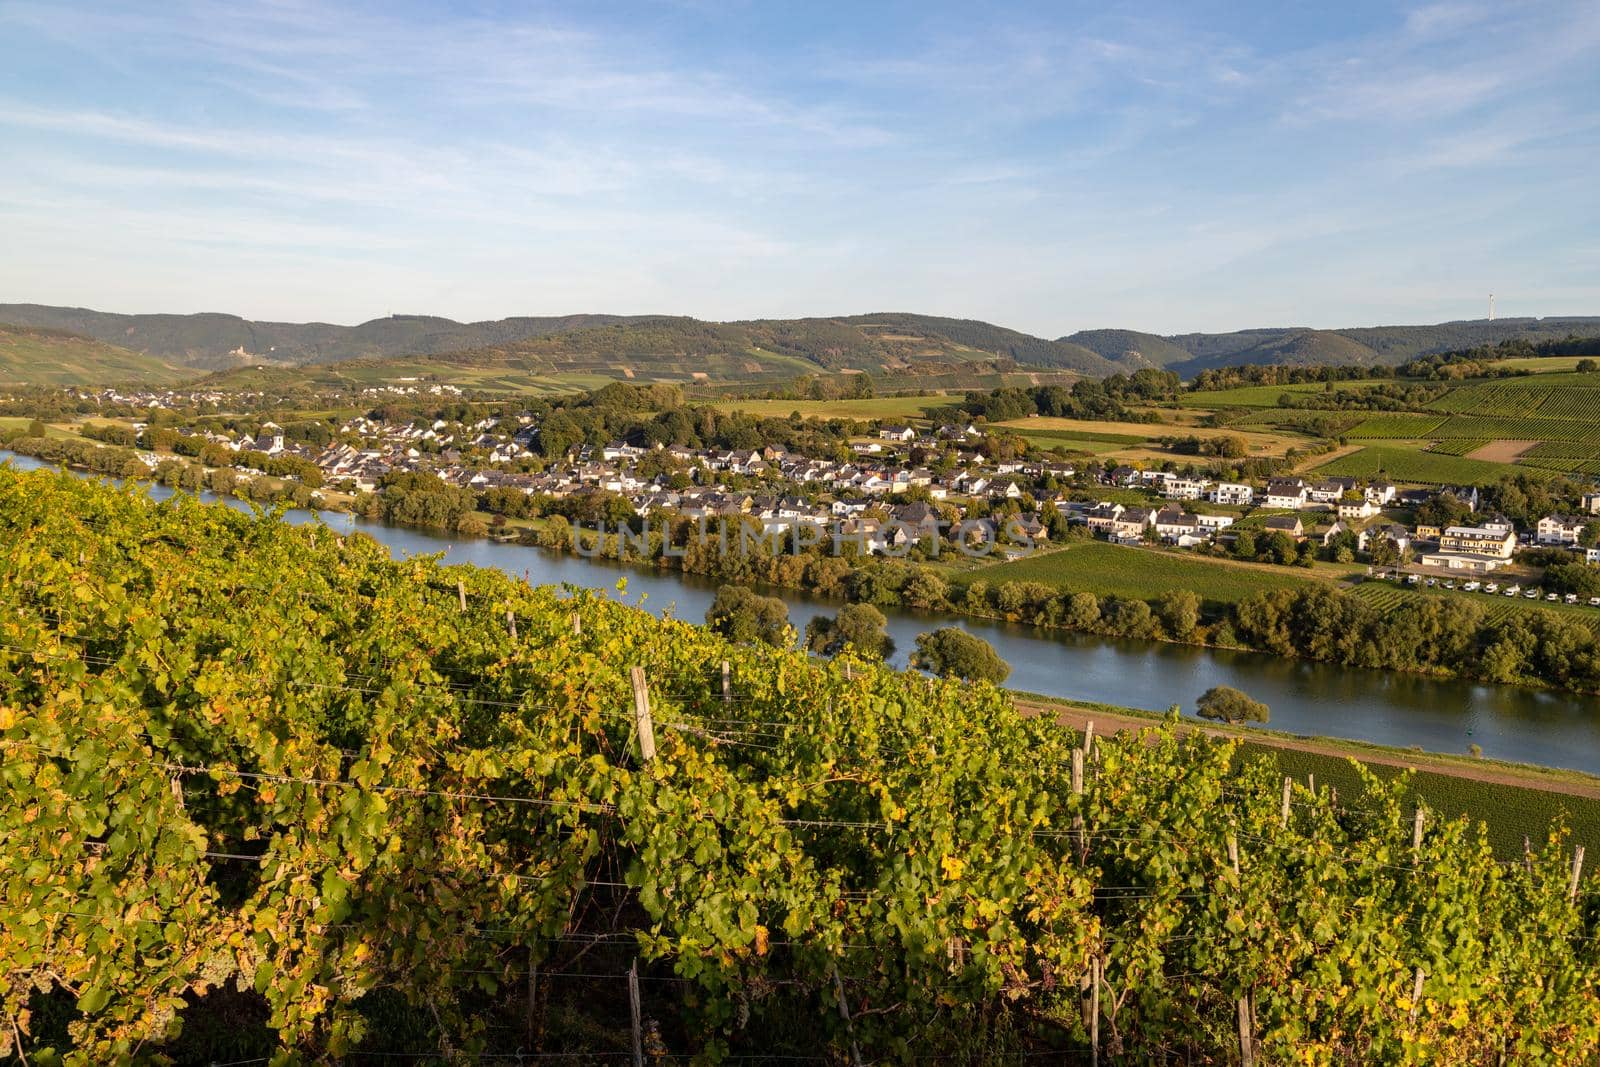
{"points": [[265, 792], [679, 348]]}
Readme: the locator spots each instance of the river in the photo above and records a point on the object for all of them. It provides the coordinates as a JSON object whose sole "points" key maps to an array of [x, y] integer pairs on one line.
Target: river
{"points": [[1536, 726]]}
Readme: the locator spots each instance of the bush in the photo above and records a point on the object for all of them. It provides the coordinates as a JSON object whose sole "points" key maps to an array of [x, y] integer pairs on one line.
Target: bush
{"points": [[1227, 704]]}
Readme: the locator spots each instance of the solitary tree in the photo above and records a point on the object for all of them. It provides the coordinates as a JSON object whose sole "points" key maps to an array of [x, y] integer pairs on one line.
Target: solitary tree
{"points": [[746, 616], [1227, 704], [953, 653], [861, 626]]}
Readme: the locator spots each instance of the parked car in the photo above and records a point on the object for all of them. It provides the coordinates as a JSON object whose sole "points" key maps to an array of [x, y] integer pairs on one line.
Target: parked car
{"points": [[1571, 598], [1552, 596], [1594, 602], [1492, 587], [1532, 594], [1471, 587], [1413, 579]]}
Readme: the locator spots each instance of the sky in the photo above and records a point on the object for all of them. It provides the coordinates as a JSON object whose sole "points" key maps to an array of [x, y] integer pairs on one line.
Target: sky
{"points": [[1049, 167]]}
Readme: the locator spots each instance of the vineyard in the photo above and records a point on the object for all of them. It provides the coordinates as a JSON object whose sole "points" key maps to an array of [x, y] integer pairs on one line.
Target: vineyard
{"points": [[267, 794], [1409, 463], [1398, 425]]}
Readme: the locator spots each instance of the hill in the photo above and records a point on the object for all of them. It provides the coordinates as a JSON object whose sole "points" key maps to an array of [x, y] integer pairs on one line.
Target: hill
{"points": [[1367, 346], [212, 341], [565, 349], [1131, 348], [31, 355]]}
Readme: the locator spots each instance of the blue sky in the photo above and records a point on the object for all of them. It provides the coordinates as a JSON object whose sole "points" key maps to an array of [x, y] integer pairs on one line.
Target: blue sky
{"points": [[1051, 167]]}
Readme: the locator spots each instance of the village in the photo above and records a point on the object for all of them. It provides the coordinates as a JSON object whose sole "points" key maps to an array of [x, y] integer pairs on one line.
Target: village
{"points": [[901, 486]]}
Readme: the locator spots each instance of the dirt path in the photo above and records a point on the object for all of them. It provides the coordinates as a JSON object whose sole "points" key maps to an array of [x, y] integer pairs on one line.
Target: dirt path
{"points": [[1110, 722], [1501, 451]]}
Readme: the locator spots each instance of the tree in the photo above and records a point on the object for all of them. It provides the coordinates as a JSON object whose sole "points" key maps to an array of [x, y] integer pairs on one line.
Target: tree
{"points": [[1587, 366], [37, 428], [953, 653], [1227, 704], [860, 626], [1179, 610], [743, 615]]}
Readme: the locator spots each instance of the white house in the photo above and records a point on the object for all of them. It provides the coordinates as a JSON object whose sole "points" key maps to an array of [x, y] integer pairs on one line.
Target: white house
{"points": [[1285, 493], [1559, 530], [1231, 493]]}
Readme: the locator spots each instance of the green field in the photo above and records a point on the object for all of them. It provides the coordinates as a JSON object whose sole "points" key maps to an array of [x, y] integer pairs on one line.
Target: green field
{"points": [[877, 407], [1259, 396], [1103, 568], [1408, 461]]}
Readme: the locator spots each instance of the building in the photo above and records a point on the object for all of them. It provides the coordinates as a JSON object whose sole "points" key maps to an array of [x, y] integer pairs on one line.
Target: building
{"points": [[903, 434], [1288, 524], [1180, 488], [1559, 530], [1285, 493], [1230, 493], [1478, 549]]}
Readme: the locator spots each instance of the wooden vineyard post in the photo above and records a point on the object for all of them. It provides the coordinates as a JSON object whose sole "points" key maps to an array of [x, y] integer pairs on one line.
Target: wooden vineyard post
{"points": [[633, 1011], [511, 623], [1094, 1012], [1283, 817], [641, 715], [461, 594], [1088, 739], [1416, 993], [533, 1000], [1416, 831], [844, 1013], [1577, 873], [577, 625], [1077, 790], [727, 683], [1247, 1054]]}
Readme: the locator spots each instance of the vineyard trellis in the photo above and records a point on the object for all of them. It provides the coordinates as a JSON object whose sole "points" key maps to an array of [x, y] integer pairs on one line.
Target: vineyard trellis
{"points": [[250, 759]]}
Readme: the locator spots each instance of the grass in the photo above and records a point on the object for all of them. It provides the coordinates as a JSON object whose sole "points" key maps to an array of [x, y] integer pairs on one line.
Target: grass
{"points": [[1409, 461], [1103, 568], [30, 356]]}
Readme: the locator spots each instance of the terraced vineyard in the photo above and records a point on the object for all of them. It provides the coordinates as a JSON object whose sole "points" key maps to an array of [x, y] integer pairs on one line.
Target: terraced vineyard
{"points": [[1387, 596], [1458, 446], [1397, 425]]}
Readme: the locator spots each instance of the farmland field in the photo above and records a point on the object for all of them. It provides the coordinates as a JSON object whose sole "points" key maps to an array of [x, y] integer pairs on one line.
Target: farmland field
{"points": [[1259, 396], [1103, 568], [1386, 596], [877, 407], [1407, 461], [1519, 429], [1140, 439], [1401, 424], [1458, 446]]}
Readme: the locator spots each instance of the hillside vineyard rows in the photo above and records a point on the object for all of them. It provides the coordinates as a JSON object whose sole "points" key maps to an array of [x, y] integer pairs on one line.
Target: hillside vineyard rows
{"points": [[263, 781]]}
